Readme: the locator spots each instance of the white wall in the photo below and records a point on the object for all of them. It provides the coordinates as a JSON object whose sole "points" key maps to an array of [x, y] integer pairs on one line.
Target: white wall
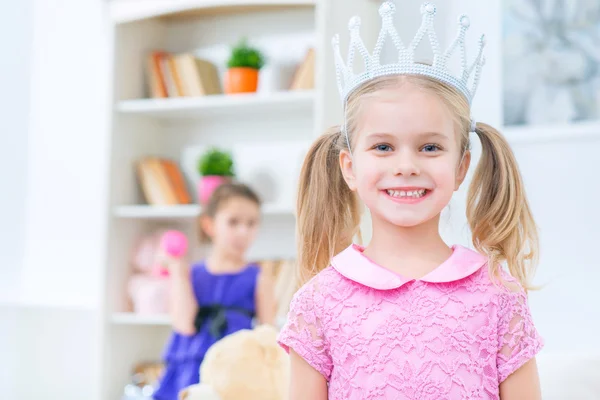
{"points": [[54, 77], [67, 171], [15, 43]]}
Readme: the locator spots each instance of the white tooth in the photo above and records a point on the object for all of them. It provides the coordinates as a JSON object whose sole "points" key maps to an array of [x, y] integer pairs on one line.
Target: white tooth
{"points": [[402, 193]]}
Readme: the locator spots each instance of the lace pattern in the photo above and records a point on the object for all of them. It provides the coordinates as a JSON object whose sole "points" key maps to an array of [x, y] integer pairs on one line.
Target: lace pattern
{"points": [[454, 340]]}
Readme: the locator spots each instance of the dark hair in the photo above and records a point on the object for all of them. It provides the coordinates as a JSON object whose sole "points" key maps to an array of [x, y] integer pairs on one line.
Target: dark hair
{"points": [[221, 195]]}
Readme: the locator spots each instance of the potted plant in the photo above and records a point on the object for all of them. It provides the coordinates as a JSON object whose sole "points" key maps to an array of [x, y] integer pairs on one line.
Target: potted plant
{"points": [[243, 66], [215, 167]]}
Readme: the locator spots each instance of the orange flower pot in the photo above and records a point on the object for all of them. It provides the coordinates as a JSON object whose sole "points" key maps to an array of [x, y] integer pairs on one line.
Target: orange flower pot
{"points": [[241, 80]]}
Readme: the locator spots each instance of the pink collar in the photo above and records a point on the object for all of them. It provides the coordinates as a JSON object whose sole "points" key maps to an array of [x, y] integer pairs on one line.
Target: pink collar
{"points": [[354, 265]]}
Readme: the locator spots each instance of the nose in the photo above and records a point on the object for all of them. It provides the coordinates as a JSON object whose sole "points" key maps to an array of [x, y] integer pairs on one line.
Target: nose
{"points": [[406, 164]]}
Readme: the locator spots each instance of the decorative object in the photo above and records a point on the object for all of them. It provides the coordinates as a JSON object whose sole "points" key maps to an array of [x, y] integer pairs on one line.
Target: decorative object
{"points": [[174, 243], [243, 66], [273, 175], [248, 364], [148, 286], [215, 168], [466, 80], [551, 61]]}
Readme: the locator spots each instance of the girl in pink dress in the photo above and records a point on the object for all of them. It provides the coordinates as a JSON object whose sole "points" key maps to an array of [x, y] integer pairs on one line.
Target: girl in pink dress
{"points": [[409, 317]]}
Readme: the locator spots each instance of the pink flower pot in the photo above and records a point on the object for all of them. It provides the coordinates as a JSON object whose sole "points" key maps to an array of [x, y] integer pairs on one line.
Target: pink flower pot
{"points": [[207, 185]]}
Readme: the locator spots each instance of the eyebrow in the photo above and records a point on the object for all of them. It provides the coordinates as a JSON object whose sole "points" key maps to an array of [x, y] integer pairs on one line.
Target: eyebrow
{"points": [[383, 135]]}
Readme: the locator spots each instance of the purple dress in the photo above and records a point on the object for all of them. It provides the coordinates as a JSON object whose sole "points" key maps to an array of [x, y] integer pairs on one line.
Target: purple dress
{"points": [[226, 305]]}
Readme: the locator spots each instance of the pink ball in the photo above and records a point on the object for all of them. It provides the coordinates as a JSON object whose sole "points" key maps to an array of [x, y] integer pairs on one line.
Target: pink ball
{"points": [[174, 243]]}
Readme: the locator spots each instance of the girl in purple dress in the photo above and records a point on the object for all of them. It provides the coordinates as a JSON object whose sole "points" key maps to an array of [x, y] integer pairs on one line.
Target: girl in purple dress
{"points": [[217, 296]]}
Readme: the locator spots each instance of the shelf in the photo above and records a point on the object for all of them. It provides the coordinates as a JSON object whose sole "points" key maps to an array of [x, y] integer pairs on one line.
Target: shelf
{"points": [[160, 212], [199, 107], [128, 318], [122, 11], [181, 211], [552, 133]]}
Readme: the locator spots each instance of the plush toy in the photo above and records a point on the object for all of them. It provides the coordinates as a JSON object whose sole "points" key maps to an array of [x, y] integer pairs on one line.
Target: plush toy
{"points": [[248, 365], [148, 287]]}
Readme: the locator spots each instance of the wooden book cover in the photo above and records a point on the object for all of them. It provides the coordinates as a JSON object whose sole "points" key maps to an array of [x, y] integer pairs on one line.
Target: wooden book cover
{"points": [[177, 181], [167, 73], [149, 184], [304, 78], [200, 77], [177, 78], [190, 79], [209, 77], [156, 82], [161, 177]]}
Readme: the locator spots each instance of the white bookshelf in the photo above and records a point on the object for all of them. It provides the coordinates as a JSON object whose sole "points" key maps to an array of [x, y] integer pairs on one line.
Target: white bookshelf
{"points": [[200, 107], [187, 211], [128, 318], [267, 131]]}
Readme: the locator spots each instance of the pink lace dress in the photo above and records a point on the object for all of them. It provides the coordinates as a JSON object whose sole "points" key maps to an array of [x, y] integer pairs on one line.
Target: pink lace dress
{"points": [[454, 334]]}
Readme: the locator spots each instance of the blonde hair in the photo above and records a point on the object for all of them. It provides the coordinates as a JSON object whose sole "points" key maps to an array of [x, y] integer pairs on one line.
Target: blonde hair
{"points": [[498, 213]]}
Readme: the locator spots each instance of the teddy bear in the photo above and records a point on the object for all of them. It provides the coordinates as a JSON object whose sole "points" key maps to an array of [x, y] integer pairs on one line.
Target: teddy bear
{"points": [[248, 364]]}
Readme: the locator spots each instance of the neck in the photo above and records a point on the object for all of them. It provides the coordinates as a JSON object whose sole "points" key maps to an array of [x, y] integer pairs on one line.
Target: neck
{"points": [[222, 261], [410, 251]]}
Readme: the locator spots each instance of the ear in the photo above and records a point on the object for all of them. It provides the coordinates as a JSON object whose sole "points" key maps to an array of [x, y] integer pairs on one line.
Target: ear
{"points": [[461, 173], [208, 225], [347, 169]]}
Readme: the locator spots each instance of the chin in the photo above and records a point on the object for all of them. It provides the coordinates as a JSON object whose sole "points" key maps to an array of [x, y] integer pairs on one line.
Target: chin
{"points": [[406, 222], [405, 218]]}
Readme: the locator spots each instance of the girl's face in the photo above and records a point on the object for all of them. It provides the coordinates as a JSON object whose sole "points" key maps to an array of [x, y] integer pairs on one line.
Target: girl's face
{"points": [[405, 156], [234, 226]]}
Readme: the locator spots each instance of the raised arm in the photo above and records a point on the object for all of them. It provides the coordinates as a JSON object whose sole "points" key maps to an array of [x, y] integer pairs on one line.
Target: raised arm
{"points": [[182, 305]]}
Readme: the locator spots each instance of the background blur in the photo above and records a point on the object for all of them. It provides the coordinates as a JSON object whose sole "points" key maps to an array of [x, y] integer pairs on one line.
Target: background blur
{"points": [[81, 105]]}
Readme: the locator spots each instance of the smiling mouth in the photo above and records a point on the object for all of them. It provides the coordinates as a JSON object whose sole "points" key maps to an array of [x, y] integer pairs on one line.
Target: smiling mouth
{"points": [[407, 194]]}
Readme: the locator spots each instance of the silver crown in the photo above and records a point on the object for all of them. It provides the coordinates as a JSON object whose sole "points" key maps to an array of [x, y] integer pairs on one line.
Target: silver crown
{"points": [[347, 80]]}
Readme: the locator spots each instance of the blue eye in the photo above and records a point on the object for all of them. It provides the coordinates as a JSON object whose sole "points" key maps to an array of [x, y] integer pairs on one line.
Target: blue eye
{"points": [[430, 148], [383, 147]]}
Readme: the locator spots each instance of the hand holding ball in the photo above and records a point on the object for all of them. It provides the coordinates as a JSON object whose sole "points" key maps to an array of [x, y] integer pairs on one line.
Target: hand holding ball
{"points": [[174, 243]]}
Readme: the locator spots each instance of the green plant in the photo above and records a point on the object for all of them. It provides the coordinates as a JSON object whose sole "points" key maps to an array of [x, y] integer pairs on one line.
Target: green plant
{"points": [[243, 55], [216, 162]]}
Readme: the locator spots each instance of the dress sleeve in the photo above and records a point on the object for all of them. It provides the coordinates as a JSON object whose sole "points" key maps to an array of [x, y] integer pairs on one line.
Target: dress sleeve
{"points": [[304, 330], [518, 340]]}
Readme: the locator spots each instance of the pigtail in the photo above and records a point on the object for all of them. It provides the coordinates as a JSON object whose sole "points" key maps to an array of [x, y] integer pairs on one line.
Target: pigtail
{"points": [[499, 216], [328, 212]]}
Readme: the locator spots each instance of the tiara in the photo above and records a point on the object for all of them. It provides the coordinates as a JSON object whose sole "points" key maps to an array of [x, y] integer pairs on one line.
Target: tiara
{"points": [[348, 81]]}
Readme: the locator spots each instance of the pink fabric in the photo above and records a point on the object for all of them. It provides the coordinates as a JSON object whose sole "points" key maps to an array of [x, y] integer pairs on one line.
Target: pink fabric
{"points": [[454, 334]]}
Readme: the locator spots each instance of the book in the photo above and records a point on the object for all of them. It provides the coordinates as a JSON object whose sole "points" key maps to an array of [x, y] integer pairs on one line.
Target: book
{"points": [[156, 80], [162, 182], [181, 75], [304, 78], [199, 77]]}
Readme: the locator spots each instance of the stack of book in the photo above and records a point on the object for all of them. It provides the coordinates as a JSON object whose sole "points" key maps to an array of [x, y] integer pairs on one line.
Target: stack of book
{"points": [[181, 75], [162, 182]]}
